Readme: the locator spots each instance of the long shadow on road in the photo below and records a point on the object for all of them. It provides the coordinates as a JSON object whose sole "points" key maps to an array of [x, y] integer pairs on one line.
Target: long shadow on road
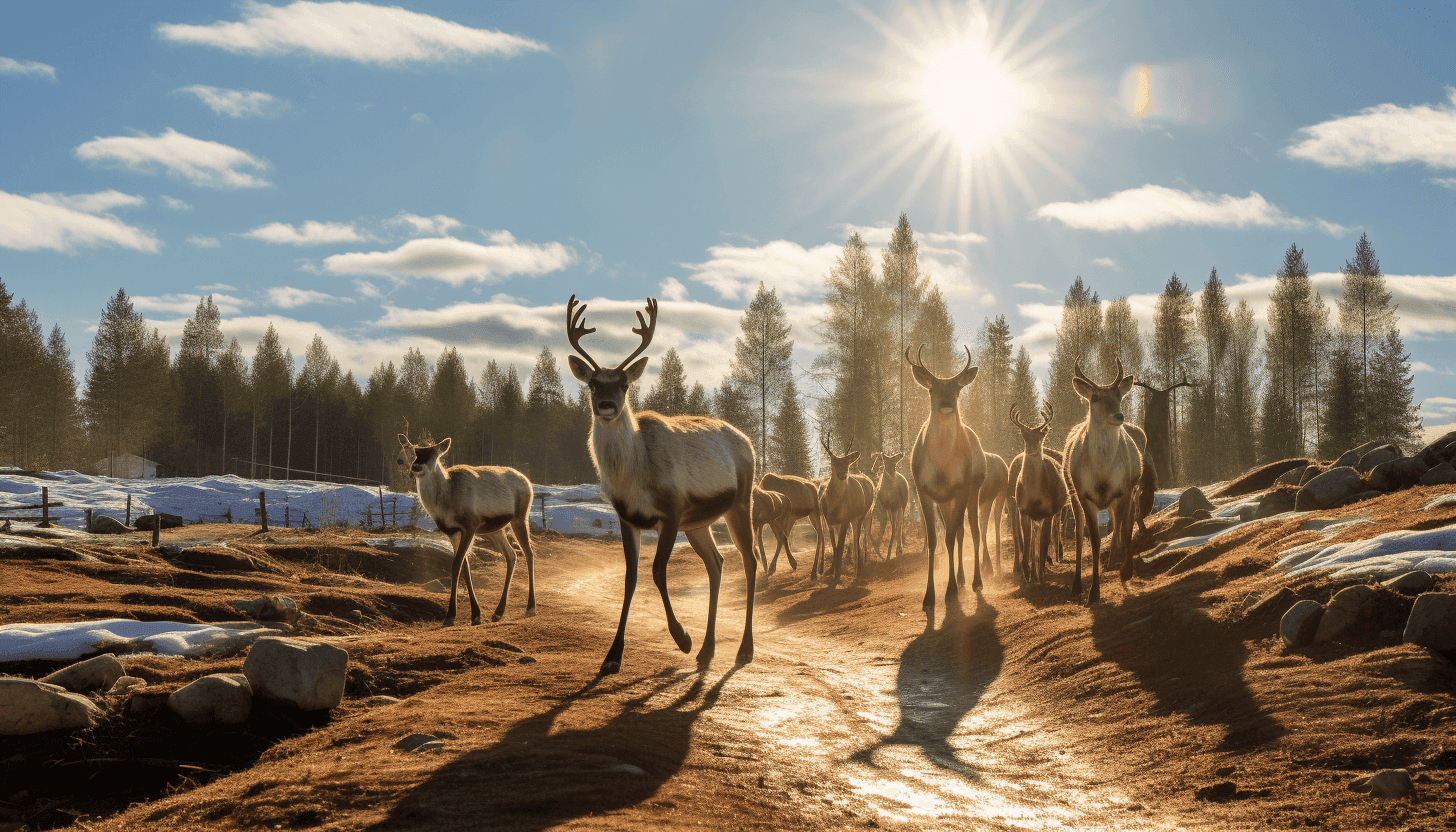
{"points": [[943, 675], [534, 779]]}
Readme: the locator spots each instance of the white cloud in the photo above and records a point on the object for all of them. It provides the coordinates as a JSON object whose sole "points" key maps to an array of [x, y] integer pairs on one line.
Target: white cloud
{"points": [[1154, 206], [879, 235], [1423, 367], [200, 162], [311, 233], [10, 66], [1036, 287], [175, 204], [436, 226], [349, 31], [455, 261], [734, 272], [1446, 182], [62, 223], [987, 299], [1107, 263], [672, 289], [204, 242], [287, 297], [419, 118], [1385, 134], [237, 103], [186, 304]]}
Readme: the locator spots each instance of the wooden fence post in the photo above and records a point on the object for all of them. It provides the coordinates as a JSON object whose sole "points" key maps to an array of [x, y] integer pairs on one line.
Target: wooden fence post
{"points": [[156, 529], [381, 505], [543, 512], [285, 515], [128, 510], [263, 511], [45, 507], [88, 521]]}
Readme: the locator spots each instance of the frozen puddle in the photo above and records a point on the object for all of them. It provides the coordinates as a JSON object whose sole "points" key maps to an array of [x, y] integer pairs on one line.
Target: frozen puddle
{"points": [[64, 642], [1380, 557]]}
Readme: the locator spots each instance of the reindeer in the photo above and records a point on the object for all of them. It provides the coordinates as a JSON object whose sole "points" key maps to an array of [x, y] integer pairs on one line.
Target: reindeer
{"points": [[669, 474], [1158, 422], [1147, 486], [892, 496], [845, 500], [771, 509], [1065, 518], [992, 502], [1102, 468], [803, 497], [1038, 495], [948, 468], [466, 500]]}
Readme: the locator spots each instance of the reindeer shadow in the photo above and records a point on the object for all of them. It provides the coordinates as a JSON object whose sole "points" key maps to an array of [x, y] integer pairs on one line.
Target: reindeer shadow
{"points": [[536, 778], [943, 675]]}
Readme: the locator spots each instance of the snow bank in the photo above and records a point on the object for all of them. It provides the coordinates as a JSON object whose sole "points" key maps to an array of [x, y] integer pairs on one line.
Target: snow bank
{"points": [[64, 642], [1380, 557]]}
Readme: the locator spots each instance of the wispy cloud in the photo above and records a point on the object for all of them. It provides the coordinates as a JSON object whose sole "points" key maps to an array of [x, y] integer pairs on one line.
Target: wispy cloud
{"points": [[1035, 287], [1107, 263], [237, 103], [734, 272], [287, 297], [1385, 134], [387, 36], [1423, 367], [186, 304], [419, 118], [10, 66], [204, 242], [879, 235], [673, 289], [436, 226], [63, 223], [456, 261], [200, 162], [311, 233], [175, 204], [1445, 182], [1154, 206]]}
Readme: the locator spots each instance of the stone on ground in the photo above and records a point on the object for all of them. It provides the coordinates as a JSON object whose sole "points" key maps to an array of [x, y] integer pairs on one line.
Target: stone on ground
{"points": [[220, 698], [1192, 500], [124, 685], [1376, 457], [29, 707], [1275, 501], [308, 675], [1443, 474], [1432, 621], [1397, 474], [1300, 622], [1361, 610], [268, 608], [1411, 583], [106, 524], [1393, 782], [97, 673], [1277, 601], [1292, 476], [1328, 489], [169, 521]]}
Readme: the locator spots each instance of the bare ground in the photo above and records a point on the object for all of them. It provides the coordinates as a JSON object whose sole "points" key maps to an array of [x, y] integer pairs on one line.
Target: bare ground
{"points": [[1163, 707]]}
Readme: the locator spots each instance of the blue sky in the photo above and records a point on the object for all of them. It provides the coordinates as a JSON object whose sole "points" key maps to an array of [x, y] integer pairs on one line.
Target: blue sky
{"points": [[445, 174]]}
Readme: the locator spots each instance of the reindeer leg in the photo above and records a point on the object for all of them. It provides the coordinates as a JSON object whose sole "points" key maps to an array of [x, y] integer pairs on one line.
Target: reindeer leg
{"points": [[758, 550], [839, 540], [631, 547], [523, 539], [666, 539], [788, 549], [498, 537], [737, 518], [1124, 512], [707, 549], [973, 499], [954, 517], [1094, 534], [929, 602], [996, 510], [462, 554]]}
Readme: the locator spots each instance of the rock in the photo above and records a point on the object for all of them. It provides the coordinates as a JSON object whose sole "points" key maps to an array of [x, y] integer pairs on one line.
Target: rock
{"points": [[29, 707], [1393, 782], [1246, 513], [106, 524], [1377, 456], [376, 701], [1299, 623], [98, 673], [1432, 621], [1201, 514], [1217, 793], [1359, 497], [222, 698], [1352, 456], [169, 521], [308, 675], [1276, 501], [1328, 489], [1311, 472], [1361, 611], [124, 685], [268, 608], [1396, 474], [1191, 500], [1292, 476], [1443, 474], [1411, 583], [419, 742], [1278, 601]]}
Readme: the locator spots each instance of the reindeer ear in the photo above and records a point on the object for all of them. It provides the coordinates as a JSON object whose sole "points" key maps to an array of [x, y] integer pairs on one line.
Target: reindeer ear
{"points": [[1084, 389], [579, 368], [1124, 384], [851, 456], [635, 371], [967, 376], [922, 376], [444, 446]]}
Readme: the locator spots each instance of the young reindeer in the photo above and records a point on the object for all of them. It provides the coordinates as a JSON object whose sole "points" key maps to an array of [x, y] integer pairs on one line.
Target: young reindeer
{"points": [[893, 495], [803, 497], [466, 500], [992, 501], [771, 509], [1038, 496], [1102, 468], [668, 473], [845, 501], [948, 468]]}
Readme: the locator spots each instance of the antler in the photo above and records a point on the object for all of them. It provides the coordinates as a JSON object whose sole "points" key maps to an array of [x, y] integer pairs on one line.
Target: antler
{"points": [[1046, 414], [576, 327], [969, 359], [645, 329], [915, 362], [1078, 373], [1016, 417]]}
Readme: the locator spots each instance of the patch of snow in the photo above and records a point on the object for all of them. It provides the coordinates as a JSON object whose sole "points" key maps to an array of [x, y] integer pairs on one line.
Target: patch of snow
{"points": [[1195, 542], [1380, 557], [1233, 509], [1441, 501], [64, 642]]}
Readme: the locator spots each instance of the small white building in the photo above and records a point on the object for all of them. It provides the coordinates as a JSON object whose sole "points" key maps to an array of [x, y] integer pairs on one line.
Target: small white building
{"points": [[125, 466]]}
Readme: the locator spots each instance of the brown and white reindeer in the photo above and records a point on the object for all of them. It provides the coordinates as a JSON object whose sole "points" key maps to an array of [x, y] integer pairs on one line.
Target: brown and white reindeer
{"points": [[948, 467], [803, 497], [771, 509], [1037, 496], [669, 474], [992, 503], [466, 500], [845, 501], [892, 495], [1102, 469]]}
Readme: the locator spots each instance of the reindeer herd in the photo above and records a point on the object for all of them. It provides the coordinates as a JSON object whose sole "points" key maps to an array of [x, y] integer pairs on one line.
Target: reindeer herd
{"points": [[672, 474]]}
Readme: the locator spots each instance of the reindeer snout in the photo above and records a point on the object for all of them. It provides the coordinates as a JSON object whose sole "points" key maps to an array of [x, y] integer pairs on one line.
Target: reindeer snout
{"points": [[947, 410], [1117, 417]]}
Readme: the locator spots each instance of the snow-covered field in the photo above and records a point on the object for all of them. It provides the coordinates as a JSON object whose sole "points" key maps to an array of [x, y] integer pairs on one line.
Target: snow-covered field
{"points": [[574, 509]]}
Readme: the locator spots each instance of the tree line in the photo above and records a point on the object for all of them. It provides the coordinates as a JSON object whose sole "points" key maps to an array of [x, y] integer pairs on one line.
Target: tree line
{"points": [[1310, 386]]}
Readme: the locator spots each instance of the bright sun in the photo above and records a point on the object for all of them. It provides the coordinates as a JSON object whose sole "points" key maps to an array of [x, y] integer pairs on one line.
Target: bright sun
{"points": [[968, 95]]}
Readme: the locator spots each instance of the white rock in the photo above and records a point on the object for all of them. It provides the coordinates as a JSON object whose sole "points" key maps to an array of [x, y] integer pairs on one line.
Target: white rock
{"points": [[29, 707], [223, 698], [98, 673], [308, 675], [125, 684]]}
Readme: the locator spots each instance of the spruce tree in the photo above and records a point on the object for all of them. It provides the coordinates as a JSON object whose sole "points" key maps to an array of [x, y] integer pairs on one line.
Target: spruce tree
{"points": [[57, 400], [1023, 389], [1343, 403], [789, 450], [732, 406], [1078, 339], [761, 362], [1173, 355], [853, 363], [451, 407], [669, 395], [936, 331], [114, 382], [905, 289], [1242, 387], [1367, 313], [986, 410], [698, 403], [1394, 413], [1207, 440]]}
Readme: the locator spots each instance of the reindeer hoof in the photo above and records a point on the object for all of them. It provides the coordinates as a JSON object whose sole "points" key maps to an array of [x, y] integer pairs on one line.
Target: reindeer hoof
{"points": [[475, 620], [449, 622], [705, 658], [976, 585], [530, 612], [609, 667], [684, 641], [496, 617], [1094, 596], [745, 656]]}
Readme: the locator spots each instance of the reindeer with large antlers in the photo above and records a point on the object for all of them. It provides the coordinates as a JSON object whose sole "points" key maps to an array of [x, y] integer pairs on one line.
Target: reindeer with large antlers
{"points": [[1038, 494], [670, 474], [948, 468], [1103, 466]]}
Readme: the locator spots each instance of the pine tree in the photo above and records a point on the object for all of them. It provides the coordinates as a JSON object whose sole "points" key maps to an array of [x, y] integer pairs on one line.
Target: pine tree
{"points": [[451, 407], [731, 405], [669, 396], [789, 448], [1343, 403], [1023, 388], [1121, 340], [698, 404], [761, 365], [1293, 352], [1367, 313], [200, 416], [1078, 339], [852, 365], [1242, 389], [986, 411], [272, 375], [233, 389], [905, 289], [1393, 411], [114, 383], [936, 331], [57, 400], [1173, 355], [1207, 440]]}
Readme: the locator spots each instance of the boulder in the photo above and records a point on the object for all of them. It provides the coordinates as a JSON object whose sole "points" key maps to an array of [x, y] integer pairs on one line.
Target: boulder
{"points": [[124, 685], [1192, 500], [1358, 497], [1359, 611], [98, 673], [1432, 621], [221, 698], [1276, 602], [1397, 474], [1275, 501], [1352, 456], [1392, 782], [1443, 474], [169, 521], [308, 675], [29, 707], [1292, 476], [268, 608], [1411, 583], [1328, 489], [1311, 472], [1384, 453], [1299, 623], [106, 524]]}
